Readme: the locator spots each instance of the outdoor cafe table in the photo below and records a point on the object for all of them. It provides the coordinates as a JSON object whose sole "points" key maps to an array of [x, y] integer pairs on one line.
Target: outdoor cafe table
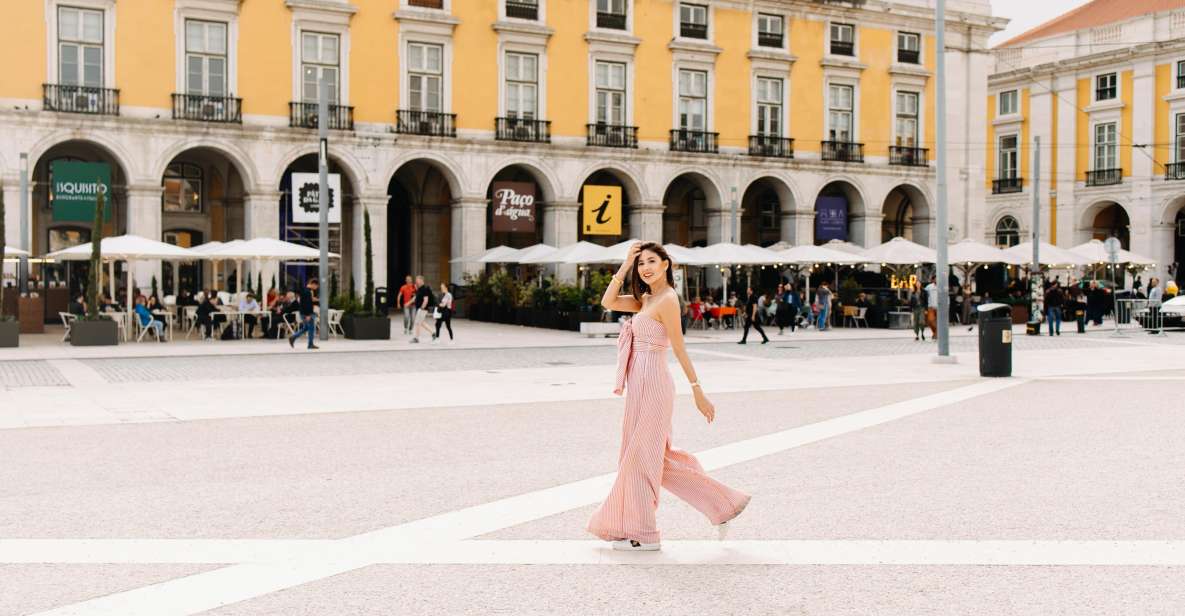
{"points": [[720, 312], [239, 317], [166, 316]]}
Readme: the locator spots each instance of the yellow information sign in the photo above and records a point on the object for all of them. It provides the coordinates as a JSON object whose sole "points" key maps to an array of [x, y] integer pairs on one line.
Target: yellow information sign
{"points": [[602, 210]]}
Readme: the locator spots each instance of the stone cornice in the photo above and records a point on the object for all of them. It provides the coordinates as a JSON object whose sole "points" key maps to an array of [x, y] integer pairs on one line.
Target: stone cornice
{"points": [[325, 6]]}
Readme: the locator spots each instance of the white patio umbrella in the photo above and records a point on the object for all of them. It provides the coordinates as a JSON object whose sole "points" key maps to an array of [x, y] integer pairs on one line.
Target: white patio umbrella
{"points": [[900, 251], [682, 254], [971, 252], [263, 249], [13, 251], [813, 255], [843, 246], [573, 254], [537, 250], [489, 252], [1050, 255], [208, 251], [617, 252], [127, 248], [1096, 252]]}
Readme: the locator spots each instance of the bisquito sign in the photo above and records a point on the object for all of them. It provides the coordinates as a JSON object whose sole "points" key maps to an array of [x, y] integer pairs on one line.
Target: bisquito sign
{"points": [[513, 207], [76, 188]]}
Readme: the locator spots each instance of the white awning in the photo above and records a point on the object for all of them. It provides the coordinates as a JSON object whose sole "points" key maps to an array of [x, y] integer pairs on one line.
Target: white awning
{"points": [[127, 248], [900, 251], [973, 252]]}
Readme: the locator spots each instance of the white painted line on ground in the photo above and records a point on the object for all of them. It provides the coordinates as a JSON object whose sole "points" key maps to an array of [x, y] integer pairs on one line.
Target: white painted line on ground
{"points": [[159, 551], [204, 591], [693, 351], [1093, 378], [76, 373]]}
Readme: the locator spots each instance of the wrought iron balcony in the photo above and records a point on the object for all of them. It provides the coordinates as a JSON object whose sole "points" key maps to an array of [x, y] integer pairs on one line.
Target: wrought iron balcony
{"points": [[843, 151], [520, 129], [203, 108], [696, 31], [611, 21], [1174, 171], [843, 48], [612, 135], [1003, 186], [909, 157], [771, 145], [79, 99], [1104, 177], [428, 4], [431, 123], [909, 56], [304, 115], [769, 39], [521, 9], [684, 140]]}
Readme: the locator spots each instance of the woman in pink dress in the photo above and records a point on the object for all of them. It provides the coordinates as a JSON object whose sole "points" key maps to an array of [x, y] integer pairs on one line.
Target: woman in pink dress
{"points": [[647, 460]]}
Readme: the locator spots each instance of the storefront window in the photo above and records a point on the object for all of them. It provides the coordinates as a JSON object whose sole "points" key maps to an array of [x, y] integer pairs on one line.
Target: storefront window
{"points": [[182, 188]]}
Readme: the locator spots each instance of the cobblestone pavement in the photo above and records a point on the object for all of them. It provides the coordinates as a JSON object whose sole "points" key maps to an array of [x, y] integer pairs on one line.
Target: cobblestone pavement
{"points": [[29, 374]]}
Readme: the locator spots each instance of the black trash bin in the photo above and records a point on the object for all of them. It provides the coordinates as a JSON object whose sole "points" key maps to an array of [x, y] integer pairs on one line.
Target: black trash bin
{"points": [[995, 340], [381, 301]]}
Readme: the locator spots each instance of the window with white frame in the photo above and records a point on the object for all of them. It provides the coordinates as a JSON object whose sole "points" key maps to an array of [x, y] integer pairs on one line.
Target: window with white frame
{"points": [[1106, 87], [425, 77], [693, 100], [1105, 146], [769, 107], [693, 20], [80, 47], [770, 30], [1008, 102], [1009, 156], [1007, 232], [909, 47], [205, 58], [611, 14], [522, 85], [1181, 75], [907, 119], [843, 39], [840, 105], [611, 93], [1181, 137], [319, 59]]}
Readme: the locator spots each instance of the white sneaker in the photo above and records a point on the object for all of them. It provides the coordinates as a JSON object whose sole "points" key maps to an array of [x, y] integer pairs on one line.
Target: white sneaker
{"points": [[722, 530], [629, 545]]}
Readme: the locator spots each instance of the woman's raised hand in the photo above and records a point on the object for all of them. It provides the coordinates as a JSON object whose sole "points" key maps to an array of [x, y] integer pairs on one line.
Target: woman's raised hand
{"points": [[630, 257]]}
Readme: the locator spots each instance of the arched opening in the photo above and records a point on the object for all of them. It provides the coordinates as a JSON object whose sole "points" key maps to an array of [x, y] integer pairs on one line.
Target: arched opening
{"points": [[1007, 232], [839, 211], [1109, 219], [515, 214], [59, 226], [905, 214], [606, 177], [300, 225], [1177, 222], [419, 223], [765, 205], [685, 211], [202, 196]]}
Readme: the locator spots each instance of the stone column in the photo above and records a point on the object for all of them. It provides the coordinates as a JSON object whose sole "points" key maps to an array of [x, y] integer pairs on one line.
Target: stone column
{"points": [[804, 226], [261, 218], [1062, 180], [788, 228], [646, 222], [468, 235], [865, 229], [561, 227], [144, 219], [377, 206]]}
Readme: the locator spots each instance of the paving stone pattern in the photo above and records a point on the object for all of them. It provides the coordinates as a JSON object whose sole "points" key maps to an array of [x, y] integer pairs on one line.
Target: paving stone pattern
{"points": [[29, 374]]}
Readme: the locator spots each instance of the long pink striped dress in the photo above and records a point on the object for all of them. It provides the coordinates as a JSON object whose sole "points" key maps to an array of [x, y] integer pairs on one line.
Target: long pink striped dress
{"points": [[647, 460]]}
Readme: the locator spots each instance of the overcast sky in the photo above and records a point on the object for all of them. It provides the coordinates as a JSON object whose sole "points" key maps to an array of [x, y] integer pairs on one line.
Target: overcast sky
{"points": [[1028, 13]]}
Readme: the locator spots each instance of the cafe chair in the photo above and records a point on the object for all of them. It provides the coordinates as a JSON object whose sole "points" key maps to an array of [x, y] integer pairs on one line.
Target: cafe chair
{"points": [[67, 320], [860, 317]]}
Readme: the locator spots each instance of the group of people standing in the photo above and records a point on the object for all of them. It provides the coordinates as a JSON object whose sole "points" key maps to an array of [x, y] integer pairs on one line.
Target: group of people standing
{"points": [[417, 302]]}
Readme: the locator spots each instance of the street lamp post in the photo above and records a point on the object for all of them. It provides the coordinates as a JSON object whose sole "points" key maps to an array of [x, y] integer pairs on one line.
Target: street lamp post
{"points": [[323, 202], [943, 279]]}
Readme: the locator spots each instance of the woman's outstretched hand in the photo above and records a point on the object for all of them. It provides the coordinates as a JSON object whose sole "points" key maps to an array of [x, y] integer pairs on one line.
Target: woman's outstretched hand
{"points": [[704, 405], [632, 256]]}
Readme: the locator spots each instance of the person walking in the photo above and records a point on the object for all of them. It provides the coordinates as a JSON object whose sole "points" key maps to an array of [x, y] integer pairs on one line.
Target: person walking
{"points": [[917, 305], [423, 300], [823, 299], [968, 305], [932, 307], [787, 308], [445, 307], [1054, 301], [404, 298], [308, 317], [647, 461], [752, 310], [1155, 297]]}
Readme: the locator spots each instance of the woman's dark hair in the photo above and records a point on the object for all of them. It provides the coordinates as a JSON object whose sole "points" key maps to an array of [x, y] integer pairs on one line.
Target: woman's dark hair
{"points": [[637, 287]]}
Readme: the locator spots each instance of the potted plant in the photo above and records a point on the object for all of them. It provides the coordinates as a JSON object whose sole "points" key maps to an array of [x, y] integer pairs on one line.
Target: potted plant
{"points": [[95, 329], [10, 328], [366, 323]]}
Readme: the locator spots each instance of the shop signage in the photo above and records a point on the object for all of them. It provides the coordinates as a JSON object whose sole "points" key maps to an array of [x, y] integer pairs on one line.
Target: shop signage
{"points": [[831, 219], [512, 207], [76, 189], [305, 198], [602, 210]]}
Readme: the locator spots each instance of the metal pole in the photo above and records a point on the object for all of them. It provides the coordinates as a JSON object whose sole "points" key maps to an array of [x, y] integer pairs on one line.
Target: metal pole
{"points": [[941, 266], [1035, 284], [323, 203], [736, 234], [23, 269]]}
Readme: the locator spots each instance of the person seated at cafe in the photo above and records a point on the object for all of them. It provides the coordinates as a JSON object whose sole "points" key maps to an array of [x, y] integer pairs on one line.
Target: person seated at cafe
{"points": [[147, 321], [106, 304], [185, 298], [862, 301], [207, 314], [77, 306], [248, 305], [271, 296]]}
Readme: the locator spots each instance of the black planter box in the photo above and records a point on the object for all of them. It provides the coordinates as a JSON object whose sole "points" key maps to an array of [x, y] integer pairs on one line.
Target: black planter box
{"points": [[94, 333], [366, 328], [10, 334]]}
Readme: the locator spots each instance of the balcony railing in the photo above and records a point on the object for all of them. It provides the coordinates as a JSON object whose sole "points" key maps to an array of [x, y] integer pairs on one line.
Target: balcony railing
{"points": [[522, 10], [683, 140], [1003, 186], [612, 135], [428, 4], [520, 129], [843, 151], [769, 39], [611, 21], [304, 115], [696, 31], [909, 157], [1104, 177], [431, 123], [80, 99], [909, 56], [1174, 171], [771, 145], [203, 108], [843, 48]]}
